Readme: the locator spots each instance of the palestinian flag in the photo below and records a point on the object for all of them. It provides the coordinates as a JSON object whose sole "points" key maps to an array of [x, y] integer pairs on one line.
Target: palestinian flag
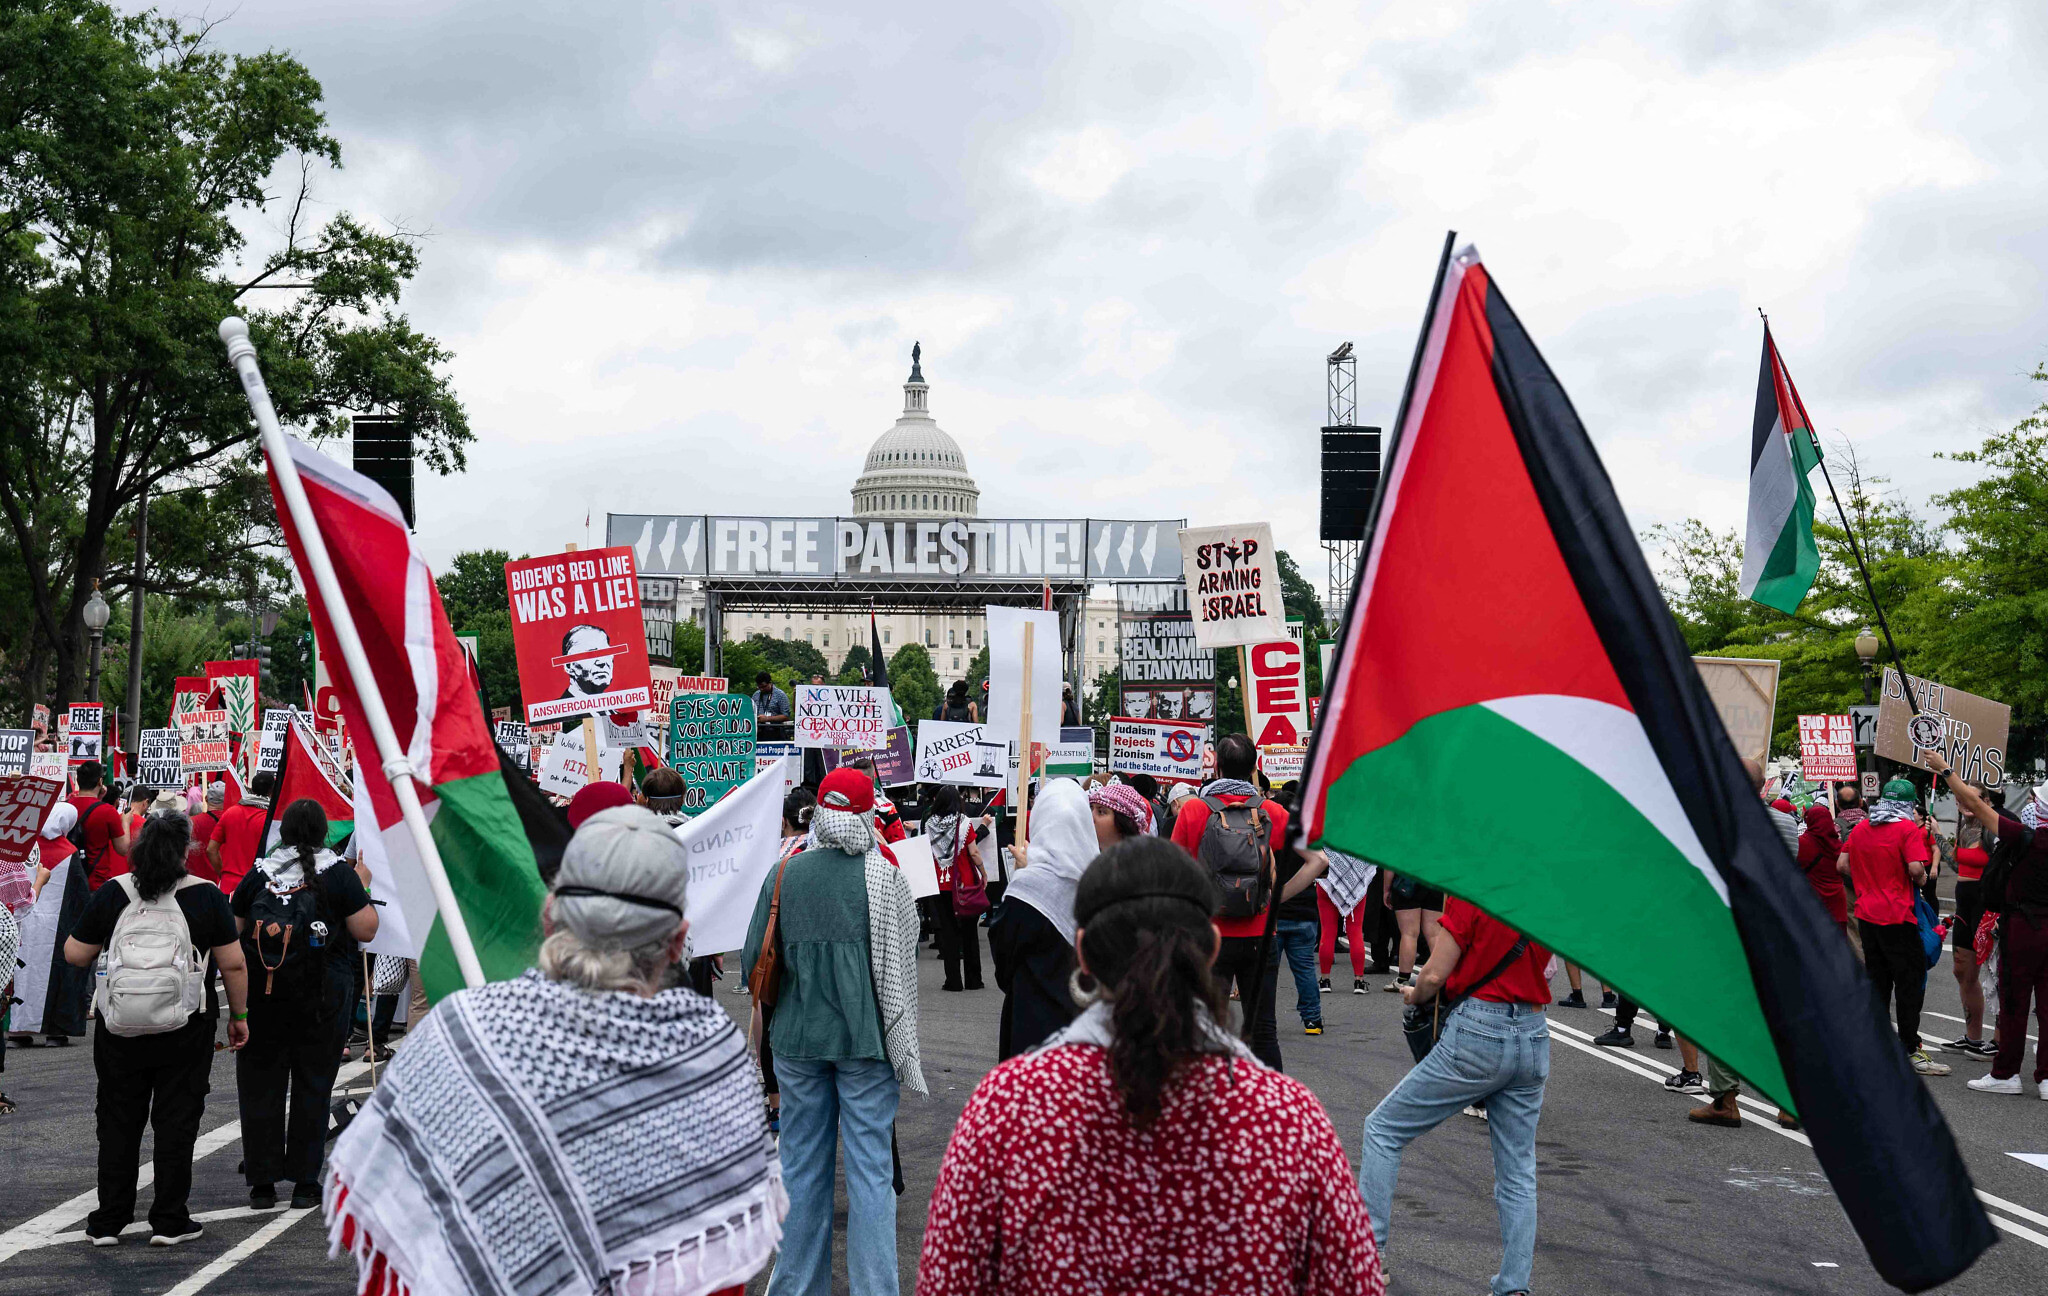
{"points": [[1505, 622], [422, 675], [304, 771], [1779, 557]]}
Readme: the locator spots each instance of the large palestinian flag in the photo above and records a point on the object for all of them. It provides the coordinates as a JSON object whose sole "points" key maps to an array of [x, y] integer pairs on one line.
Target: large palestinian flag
{"points": [[1779, 557], [1506, 626], [422, 676]]}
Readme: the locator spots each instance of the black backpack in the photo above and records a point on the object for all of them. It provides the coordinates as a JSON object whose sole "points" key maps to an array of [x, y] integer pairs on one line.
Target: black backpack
{"points": [[282, 938], [1236, 848]]}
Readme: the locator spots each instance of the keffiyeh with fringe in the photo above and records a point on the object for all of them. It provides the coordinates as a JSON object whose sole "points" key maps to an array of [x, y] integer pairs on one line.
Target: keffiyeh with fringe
{"points": [[535, 1139], [892, 938], [1347, 881]]}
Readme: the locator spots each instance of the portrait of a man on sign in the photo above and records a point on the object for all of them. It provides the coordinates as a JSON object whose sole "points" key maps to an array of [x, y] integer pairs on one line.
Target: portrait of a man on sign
{"points": [[587, 653]]}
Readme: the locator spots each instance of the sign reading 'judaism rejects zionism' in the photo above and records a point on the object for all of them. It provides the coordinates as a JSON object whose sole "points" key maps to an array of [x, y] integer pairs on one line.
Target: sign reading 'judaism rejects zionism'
{"points": [[577, 631]]}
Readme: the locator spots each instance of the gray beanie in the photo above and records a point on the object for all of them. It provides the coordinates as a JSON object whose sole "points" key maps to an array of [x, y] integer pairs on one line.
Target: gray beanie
{"points": [[622, 879]]}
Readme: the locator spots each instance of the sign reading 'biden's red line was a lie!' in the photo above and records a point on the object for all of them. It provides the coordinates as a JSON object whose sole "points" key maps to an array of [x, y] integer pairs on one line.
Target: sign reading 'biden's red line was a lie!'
{"points": [[577, 631]]}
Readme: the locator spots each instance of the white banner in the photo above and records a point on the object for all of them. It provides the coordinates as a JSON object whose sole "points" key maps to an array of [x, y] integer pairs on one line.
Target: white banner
{"points": [[1006, 673], [732, 848], [842, 716], [914, 857], [1233, 585], [945, 753], [1166, 749]]}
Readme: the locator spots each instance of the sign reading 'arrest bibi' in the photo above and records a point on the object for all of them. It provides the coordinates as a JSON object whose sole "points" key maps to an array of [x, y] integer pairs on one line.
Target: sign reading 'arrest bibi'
{"points": [[577, 632]]}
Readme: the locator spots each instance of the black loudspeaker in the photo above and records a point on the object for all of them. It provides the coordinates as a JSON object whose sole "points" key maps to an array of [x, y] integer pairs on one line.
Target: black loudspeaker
{"points": [[383, 453], [1351, 476]]}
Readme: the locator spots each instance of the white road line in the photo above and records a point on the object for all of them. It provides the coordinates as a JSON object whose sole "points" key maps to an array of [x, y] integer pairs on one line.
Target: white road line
{"points": [[30, 1233], [1929, 1012], [141, 1227], [239, 1252], [1619, 1058], [2031, 1158]]}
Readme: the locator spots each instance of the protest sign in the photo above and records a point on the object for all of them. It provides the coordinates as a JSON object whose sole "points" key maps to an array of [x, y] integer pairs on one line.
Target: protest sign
{"points": [[48, 765], [189, 694], [275, 721], [767, 754], [1282, 763], [1233, 583], [1158, 655], [564, 771], [991, 763], [1006, 672], [16, 746], [732, 846], [1827, 747], [711, 744], [842, 715], [24, 803], [661, 688], [577, 632], [1058, 760], [896, 764], [1969, 731], [83, 734], [1170, 751], [945, 754], [920, 870], [162, 759], [1745, 692], [39, 719], [1276, 695], [236, 681], [203, 741], [517, 740]]}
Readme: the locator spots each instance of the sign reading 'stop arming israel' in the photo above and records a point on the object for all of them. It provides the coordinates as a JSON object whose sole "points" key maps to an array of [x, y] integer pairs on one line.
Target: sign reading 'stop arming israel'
{"points": [[968, 548]]}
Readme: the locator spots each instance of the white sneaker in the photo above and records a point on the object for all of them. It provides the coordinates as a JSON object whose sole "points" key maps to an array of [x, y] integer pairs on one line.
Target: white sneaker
{"points": [[1928, 1066], [2043, 1087], [1992, 1084]]}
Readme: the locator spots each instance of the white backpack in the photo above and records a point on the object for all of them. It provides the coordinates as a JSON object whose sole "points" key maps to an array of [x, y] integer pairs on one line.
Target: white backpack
{"points": [[153, 975]]}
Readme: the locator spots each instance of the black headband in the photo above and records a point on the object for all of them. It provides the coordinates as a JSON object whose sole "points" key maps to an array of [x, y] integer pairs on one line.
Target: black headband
{"points": [[578, 892], [1161, 895]]}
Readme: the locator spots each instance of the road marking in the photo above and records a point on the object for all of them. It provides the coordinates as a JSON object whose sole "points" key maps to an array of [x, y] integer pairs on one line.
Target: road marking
{"points": [[1929, 1012], [141, 1227], [31, 1233], [241, 1251], [1825, 1264], [2032, 1158]]}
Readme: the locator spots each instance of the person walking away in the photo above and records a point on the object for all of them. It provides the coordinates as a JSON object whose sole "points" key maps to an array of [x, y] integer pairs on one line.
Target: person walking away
{"points": [[955, 707], [205, 816], [1885, 858], [619, 1120], [845, 1036], [141, 800], [1973, 852], [1577, 997], [1417, 910], [2016, 887], [1298, 924], [1494, 1050], [957, 855], [1849, 809], [1032, 937], [236, 842], [1343, 894], [1144, 1148], [292, 908], [1243, 922], [1820, 845], [152, 1051], [102, 828], [54, 999]]}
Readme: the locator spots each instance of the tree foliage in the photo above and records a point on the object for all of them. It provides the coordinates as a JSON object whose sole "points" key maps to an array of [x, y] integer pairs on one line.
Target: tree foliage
{"points": [[913, 682]]}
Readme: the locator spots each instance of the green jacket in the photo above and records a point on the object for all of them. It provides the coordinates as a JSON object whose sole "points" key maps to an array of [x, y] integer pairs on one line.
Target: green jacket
{"points": [[825, 1006]]}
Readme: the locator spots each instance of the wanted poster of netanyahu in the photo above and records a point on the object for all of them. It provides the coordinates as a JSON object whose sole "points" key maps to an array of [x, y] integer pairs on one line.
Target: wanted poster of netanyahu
{"points": [[577, 632]]}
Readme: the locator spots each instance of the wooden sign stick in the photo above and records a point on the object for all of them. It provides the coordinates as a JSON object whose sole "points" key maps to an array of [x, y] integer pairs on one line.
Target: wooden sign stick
{"points": [[589, 749], [1024, 749]]}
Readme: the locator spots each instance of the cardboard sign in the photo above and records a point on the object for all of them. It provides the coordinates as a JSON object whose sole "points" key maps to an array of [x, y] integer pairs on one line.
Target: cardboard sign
{"points": [[1006, 672], [85, 723], [16, 746], [1827, 747], [1170, 751], [1233, 584], [711, 744], [162, 759], [517, 740], [203, 742], [945, 754], [732, 846], [276, 720], [661, 690], [49, 765], [1283, 763], [1745, 692], [236, 681], [1969, 731], [842, 716], [1276, 695], [577, 632], [24, 803]]}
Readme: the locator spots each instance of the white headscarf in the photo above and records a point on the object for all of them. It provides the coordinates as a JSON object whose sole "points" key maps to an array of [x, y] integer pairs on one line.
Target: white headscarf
{"points": [[1063, 845], [62, 816]]}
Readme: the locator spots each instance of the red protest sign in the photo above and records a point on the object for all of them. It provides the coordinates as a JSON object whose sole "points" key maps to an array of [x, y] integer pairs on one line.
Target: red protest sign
{"points": [[1277, 695], [577, 632], [24, 803], [1827, 748]]}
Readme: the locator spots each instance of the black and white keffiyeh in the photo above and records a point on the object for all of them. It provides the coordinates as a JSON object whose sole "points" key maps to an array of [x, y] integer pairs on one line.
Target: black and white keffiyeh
{"points": [[1347, 880], [534, 1139], [892, 937]]}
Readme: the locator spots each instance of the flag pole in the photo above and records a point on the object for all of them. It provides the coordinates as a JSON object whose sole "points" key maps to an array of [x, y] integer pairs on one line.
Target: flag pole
{"points": [[1884, 628], [398, 768]]}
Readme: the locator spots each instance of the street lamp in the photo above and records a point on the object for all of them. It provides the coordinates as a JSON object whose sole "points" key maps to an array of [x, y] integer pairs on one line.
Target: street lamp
{"points": [[95, 615], [1866, 648]]}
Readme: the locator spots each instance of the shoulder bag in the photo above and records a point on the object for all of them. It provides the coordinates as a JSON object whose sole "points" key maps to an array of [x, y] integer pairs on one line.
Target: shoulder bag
{"points": [[766, 979], [1423, 1024]]}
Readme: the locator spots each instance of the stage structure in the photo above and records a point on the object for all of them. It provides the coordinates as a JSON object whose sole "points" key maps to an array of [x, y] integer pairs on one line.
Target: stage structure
{"points": [[1351, 474], [960, 564]]}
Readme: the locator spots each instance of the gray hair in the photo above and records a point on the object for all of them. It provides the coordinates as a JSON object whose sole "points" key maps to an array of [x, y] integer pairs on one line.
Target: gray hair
{"points": [[638, 969]]}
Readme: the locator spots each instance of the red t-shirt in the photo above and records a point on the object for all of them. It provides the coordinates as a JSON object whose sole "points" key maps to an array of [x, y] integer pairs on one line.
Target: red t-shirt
{"points": [[103, 823], [196, 862], [1483, 942], [1878, 855], [236, 832], [1187, 834]]}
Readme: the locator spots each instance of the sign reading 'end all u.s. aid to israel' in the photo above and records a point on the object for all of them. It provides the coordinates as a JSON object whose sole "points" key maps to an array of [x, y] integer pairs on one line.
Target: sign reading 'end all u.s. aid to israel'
{"points": [[577, 632]]}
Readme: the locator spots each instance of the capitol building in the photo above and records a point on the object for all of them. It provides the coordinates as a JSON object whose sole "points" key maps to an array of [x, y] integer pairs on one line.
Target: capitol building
{"points": [[916, 471]]}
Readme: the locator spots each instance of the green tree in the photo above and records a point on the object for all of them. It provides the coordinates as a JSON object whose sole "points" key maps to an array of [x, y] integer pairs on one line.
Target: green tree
{"points": [[132, 159], [1299, 596], [913, 682], [1101, 702], [802, 660], [473, 584], [1229, 697], [854, 667], [689, 654], [977, 675]]}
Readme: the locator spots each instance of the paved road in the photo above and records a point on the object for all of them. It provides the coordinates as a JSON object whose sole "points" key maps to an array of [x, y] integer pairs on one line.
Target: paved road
{"points": [[1634, 1198]]}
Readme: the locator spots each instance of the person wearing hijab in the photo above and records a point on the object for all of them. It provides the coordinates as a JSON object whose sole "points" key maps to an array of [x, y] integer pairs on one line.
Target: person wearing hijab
{"points": [[1820, 845], [844, 1033], [1033, 933], [55, 996], [577, 1128], [954, 852]]}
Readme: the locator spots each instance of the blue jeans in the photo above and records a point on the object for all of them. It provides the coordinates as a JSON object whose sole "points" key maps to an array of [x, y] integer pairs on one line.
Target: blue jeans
{"points": [[1496, 1052], [1298, 939], [820, 1102]]}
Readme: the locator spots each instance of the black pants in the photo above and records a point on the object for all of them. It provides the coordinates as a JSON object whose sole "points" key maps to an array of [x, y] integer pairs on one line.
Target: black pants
{"points": [[160, 1081], [1897, 964], [284, 1078], [1625, 1010], [1379, 927], [1033, 966], [959, 939], [1237, 964]]}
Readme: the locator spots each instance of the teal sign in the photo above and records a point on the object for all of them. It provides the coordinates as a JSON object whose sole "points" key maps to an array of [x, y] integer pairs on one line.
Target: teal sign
{"points": [[711, 744]]}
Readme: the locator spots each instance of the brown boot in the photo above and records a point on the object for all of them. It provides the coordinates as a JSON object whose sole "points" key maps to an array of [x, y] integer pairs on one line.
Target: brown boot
{"points": [[1721, 1111], [1787, 1119]]}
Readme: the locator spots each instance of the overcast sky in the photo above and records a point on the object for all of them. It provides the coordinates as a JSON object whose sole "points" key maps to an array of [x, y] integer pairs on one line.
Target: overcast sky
{"points": [[680, 253]]}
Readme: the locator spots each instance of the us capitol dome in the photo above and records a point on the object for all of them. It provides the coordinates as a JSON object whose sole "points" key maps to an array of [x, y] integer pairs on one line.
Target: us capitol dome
{"points": [[916, 470]]}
